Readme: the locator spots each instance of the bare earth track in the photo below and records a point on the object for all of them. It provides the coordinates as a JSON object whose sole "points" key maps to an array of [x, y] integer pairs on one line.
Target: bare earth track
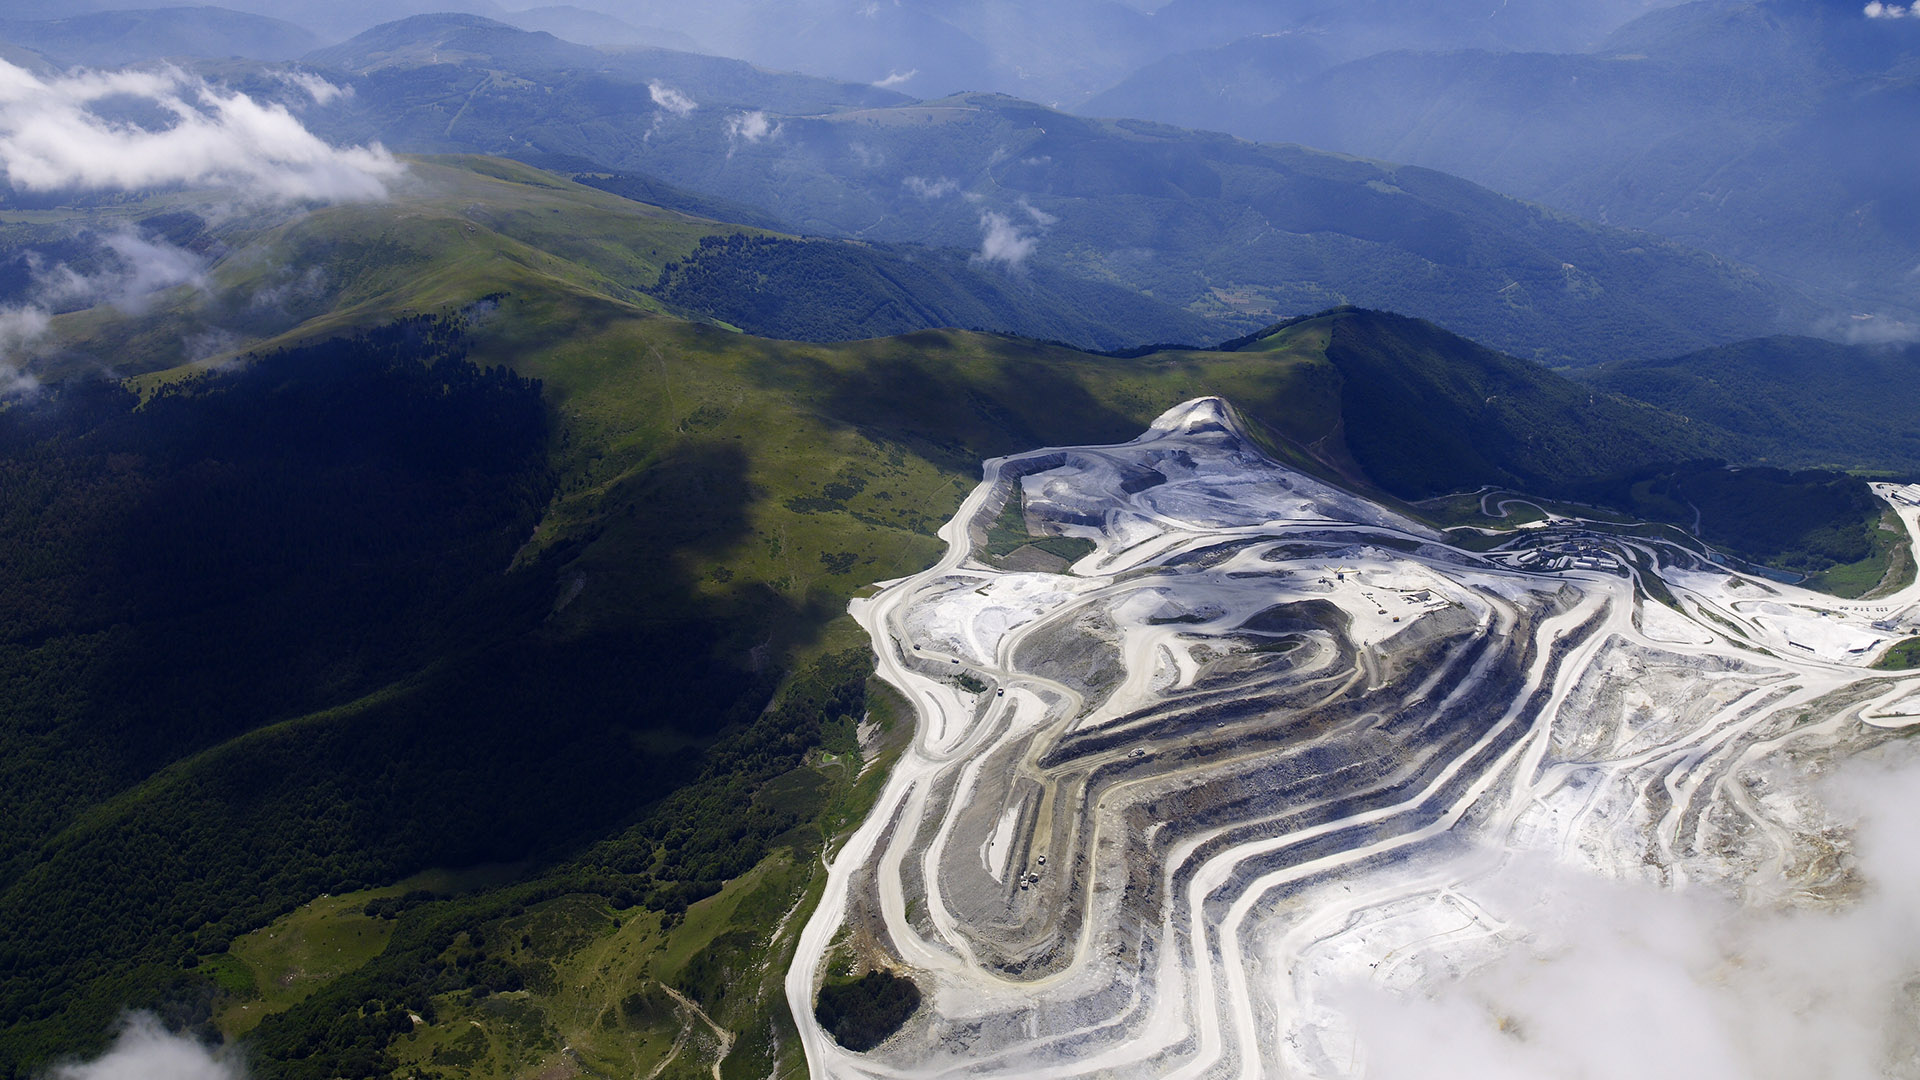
{"points": [[1270, 738]]}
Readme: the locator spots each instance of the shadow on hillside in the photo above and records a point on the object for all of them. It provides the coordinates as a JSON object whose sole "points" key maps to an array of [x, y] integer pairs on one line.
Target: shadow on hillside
{"points": [[496, 730]]}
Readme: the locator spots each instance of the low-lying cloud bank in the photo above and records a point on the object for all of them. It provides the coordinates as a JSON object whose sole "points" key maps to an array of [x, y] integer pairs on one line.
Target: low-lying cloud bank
{"points": [[1620, 979], [143, 266], [146, 1051], [1866, 329], [74, 131]]}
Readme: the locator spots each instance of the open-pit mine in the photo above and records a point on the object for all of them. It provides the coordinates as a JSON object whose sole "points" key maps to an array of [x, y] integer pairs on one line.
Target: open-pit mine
{"points": [[1269, 740]]}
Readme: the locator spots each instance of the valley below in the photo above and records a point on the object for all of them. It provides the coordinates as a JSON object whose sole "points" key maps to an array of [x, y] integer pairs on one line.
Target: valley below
{"points": [[1229, 763]]}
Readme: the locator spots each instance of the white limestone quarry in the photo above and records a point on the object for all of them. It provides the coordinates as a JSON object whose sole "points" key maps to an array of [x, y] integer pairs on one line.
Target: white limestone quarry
{"points": [[1272, 746]]}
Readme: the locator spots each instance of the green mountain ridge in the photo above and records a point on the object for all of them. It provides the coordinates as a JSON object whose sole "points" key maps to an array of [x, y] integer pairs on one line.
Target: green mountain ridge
{"points": [[468, 226]]}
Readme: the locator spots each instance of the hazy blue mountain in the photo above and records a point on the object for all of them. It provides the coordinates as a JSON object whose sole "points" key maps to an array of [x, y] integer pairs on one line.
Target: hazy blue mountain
{"points": [[449, 38], [336, 20], [1221, 228], [589, 27], [57, 9], [23, 57], [1760, 131], [1061, 50], [1353, 28], [113, 38], [1064, 51], [432, 60], [1227, 88]]}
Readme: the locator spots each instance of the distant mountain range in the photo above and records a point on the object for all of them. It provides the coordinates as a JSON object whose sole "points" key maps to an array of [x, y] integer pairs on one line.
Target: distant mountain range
{"points": [[1218, 228], [1749, 130], [1770, 132], [113, 38], [1059, 52]]}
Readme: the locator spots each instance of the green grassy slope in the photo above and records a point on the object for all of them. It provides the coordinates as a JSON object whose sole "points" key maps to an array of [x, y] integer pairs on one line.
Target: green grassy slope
{"points": [[461, 226], [1426, 412], [1423, 412], [796, 289]]}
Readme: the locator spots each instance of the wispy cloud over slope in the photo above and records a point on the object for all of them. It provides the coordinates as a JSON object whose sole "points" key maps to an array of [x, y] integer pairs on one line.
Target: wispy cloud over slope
{"points": [[134, 270], [1004, 242], [146, 1051]]}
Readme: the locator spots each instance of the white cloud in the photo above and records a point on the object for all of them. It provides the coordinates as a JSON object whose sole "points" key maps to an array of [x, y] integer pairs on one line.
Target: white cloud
{"points": [[204, 346], [670, 99], [1877, 10], [146, 1051], [1617, 979], [1040, 217], [309, 284], [52, 138], [896, 78], [142, 267], [752, 126], [671, 103], [1867, 329], [1004, 241], [19, 327], [315, 87], [930, 189], [148, 267]]}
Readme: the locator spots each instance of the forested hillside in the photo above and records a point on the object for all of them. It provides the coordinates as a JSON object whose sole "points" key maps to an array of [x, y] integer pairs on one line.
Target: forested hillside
{"points": [[1793, 401]]}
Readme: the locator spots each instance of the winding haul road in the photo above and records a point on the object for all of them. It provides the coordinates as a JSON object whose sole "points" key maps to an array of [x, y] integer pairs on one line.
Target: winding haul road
{"points": [[1269, 737]]}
